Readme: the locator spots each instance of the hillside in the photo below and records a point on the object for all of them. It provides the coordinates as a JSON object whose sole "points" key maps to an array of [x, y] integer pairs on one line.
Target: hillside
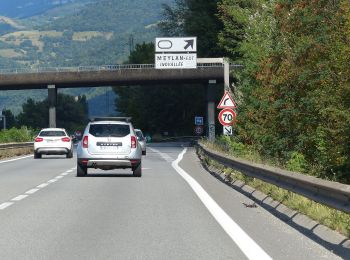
{"points": [[25, 8], [71, 33]]}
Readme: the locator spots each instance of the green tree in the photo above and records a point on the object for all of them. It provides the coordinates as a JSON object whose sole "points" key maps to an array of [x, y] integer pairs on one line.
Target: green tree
{"points": [[10, 118], [71, 113], [194, 18]]}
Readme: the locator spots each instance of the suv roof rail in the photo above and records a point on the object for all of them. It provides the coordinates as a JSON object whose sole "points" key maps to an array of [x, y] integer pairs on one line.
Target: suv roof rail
{"points": [[124, 119]]}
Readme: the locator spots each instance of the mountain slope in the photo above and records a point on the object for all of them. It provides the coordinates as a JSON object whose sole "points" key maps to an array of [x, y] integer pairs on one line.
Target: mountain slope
{"points": [[25, 8]]}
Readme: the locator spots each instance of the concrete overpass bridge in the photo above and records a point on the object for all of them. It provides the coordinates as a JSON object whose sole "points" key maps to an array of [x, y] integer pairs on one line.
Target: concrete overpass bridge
{"points": [[207, 73]]}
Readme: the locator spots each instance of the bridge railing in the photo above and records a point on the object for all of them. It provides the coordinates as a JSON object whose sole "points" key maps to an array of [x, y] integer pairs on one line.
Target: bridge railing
{"points": [[96, 68]]}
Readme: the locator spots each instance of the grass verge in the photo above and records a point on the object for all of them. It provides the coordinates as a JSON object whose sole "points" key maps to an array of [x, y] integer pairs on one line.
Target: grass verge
{"points": [[8, 153], [332, 218]]}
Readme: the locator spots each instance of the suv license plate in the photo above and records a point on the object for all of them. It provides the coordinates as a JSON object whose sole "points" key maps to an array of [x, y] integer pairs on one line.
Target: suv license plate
{"points": [[108, 148]]}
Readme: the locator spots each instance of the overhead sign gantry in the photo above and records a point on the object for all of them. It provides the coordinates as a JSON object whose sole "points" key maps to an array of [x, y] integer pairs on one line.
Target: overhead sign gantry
{"points": [[176, 53]]}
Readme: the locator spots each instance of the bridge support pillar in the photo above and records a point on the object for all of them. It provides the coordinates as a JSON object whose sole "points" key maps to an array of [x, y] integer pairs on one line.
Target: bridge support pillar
{"points": [[52, 98], [211, 110]]}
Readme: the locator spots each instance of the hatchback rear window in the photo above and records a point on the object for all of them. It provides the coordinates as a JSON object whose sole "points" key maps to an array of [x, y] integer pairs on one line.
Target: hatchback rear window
{"points": [[109, 130], [52, 133]]}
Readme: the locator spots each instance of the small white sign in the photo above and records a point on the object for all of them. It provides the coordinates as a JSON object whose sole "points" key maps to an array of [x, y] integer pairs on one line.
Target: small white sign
{"points": [[174, 44], [228, 130], [176, 61]]}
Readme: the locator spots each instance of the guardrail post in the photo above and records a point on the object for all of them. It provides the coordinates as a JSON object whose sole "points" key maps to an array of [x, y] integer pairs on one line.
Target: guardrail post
{"points": [[211, 111], [52, 97]]}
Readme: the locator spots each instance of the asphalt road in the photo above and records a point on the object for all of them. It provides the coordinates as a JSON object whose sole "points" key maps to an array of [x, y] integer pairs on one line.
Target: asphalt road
{"points": [[175, 211]]}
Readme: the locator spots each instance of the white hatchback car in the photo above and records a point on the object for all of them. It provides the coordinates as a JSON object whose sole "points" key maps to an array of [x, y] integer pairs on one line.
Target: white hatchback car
{"points": [[53, 141]]}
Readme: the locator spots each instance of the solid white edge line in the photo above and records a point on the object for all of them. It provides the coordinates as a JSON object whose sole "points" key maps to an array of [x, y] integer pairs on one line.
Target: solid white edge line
{"points": [[20, 197], [16, 159], [5, 205], [248, 246]]}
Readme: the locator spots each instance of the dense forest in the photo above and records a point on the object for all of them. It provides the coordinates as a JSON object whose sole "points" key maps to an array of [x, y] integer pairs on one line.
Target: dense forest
{"points": [[293, 92]]}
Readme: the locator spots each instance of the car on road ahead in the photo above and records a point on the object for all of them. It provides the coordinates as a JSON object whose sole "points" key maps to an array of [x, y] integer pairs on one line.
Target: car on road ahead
{"points": [[109, 143], [53, 141], [141, 140]]}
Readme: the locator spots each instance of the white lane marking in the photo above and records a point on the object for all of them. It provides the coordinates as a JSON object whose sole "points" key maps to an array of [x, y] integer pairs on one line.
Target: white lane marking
{"points": [[163, 155], [43, 185], [146, 168], [32, 191], [69, 171], [16, 159], [20, 197], [248, 246], [5, 205]]}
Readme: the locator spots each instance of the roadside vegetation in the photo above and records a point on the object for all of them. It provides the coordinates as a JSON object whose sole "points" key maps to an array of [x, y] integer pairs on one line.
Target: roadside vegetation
{"points": [[14, 135], [332, 218]]}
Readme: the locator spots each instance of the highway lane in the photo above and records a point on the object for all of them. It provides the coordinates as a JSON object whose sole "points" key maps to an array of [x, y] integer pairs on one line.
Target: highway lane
{"points": [[112, 215]]}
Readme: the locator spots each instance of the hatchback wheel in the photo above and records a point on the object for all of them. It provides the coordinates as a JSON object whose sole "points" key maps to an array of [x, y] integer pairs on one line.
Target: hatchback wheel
{"points": [[37, 155], [70, 154]]}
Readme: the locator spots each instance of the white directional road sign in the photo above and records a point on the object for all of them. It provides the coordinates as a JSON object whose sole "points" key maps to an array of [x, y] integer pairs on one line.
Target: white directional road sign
{"points": [[176, 60], [227, 117], [174, 44], [227, 130]]}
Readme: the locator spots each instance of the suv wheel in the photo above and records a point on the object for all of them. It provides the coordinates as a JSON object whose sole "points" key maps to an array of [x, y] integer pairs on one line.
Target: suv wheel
{"points": [[137, 172], [81, 170]]}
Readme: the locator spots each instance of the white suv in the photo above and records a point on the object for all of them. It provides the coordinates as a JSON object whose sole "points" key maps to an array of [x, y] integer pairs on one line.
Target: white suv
{"points": [[53, 141], [109, 143]]}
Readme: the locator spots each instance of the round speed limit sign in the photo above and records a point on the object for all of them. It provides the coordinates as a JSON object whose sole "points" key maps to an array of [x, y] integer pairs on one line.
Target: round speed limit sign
{"points": [[227, 117]]}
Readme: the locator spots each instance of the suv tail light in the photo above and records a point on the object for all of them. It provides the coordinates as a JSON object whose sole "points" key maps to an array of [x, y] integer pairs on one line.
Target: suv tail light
{"points": [[85, 141], [39, 139], [65, 139], [133, 142]]}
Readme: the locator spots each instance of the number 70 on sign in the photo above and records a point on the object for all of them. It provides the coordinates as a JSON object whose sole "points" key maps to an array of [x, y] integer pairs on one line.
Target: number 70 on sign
{"points": [[227, 117]]}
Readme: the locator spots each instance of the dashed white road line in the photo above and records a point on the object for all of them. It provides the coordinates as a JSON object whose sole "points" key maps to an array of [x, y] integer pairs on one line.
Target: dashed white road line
{"points": [[32, 191], [20, 197], [5, 205], [43, 185], [247, 245]]}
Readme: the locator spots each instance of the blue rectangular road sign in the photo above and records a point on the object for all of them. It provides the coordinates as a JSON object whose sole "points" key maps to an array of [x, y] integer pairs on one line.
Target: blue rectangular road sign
{"points": [[198, 120]]}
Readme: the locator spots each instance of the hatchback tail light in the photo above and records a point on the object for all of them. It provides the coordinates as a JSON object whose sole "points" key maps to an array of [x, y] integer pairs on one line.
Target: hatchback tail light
{"points": [[85, 141], [133, 142], [39, 139], [65, 139]]}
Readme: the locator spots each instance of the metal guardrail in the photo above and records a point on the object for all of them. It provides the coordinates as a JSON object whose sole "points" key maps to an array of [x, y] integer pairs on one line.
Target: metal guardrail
{"points": [[97, 68], [15, 145], [332, 194]]}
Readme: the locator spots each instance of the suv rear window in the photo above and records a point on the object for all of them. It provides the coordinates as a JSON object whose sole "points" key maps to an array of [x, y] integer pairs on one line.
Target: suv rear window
{"points": [[52, 133], [109, 130]]}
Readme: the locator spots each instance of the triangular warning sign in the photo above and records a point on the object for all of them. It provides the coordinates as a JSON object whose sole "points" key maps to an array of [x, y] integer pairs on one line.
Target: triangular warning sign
{"points": [[227, 101]]}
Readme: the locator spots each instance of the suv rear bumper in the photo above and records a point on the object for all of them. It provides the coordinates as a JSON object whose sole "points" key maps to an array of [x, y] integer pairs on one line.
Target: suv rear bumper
{"points": [[52, 150], [109, 163]]}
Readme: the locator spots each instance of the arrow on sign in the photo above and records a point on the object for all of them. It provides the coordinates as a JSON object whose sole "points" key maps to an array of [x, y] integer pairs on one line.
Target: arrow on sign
{"points": [[227, 101], [189, 44]]}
